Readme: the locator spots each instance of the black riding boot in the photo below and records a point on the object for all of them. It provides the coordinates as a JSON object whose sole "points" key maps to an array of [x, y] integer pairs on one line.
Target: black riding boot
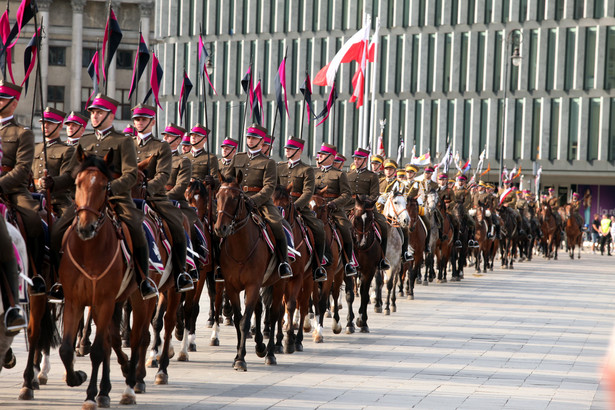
{"points": [[141, 264]]}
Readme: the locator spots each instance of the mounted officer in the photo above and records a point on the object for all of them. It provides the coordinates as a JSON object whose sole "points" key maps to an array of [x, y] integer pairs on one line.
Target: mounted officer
{"points": [[464, 197], [338, 161], [554, 203], [102, 113], [301, 175], [75, 127], [422, 185], [377, 164], [575, 207], [258, 183], [337, 197], [362, 181], [229, 150], [508, 200], [446, 195]]}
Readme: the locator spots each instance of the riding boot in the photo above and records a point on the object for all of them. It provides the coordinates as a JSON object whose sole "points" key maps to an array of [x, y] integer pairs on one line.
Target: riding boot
{"points": [[183, 281], [141, 263], [384, 265], [14, 321], [282, 249], [327, 257], [349, 268], [406, 255]]}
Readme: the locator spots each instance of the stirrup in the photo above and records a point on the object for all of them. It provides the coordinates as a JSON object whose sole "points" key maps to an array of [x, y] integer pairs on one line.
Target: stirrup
{"points": [[350, 270], [15, 329], [40, 289], [320, 274], [56, 293], [218, 275], [148, 282], [408, 256], [383, 264], [289, 272], [187, 286]]}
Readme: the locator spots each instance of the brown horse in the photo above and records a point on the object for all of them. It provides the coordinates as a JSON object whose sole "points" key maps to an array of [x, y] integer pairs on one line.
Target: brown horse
{"points": [[574, 236], [299, 288], [368, 252], [99, 277], [444, 246], [417, 236], [247, 264], [335, 272], [550, 230], [484, 251]]}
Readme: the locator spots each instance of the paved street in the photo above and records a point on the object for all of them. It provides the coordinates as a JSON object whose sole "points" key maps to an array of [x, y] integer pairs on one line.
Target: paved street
{"points": [[531, 338]]}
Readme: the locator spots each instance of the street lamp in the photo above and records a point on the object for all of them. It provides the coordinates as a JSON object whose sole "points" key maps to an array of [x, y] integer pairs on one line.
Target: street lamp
{"points": [[515, 58]]}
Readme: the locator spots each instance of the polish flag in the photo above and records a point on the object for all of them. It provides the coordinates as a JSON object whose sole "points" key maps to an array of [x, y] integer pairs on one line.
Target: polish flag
{"points": [[352, 50]]}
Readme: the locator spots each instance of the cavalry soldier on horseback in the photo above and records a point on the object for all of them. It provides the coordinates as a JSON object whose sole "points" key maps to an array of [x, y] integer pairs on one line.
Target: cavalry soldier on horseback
{"points": [[420, 187], [294, 171], [377, 163], [338, 161], [362, 181], [402, 175], [59, 155], [464, 197], [99, 143], [204, 164], [411, 171], [75, 127], [258, 183], [337, 197], [185, 144], [229, 149], [157, 176], [575, 207], [554, 204], [508, 200], [130, 131], [482, 198], [18, 154], [446, 195]]}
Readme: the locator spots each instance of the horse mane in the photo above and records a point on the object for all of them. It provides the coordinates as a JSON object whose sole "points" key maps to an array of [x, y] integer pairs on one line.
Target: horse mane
{"points": [[96, 162], [194, 186], [280, 192]]}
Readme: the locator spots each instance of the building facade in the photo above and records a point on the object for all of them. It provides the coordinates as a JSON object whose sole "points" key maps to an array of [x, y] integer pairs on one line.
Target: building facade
{"points": [[443, 73]]}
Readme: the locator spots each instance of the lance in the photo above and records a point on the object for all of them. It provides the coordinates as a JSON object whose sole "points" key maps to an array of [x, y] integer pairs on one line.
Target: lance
{"points": [[5, 45], [105, 73]]}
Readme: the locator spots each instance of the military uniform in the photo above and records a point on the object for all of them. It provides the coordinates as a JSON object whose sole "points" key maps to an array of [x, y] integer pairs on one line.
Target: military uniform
{"points": [[201, 162], [418, 185], [59, 155]]}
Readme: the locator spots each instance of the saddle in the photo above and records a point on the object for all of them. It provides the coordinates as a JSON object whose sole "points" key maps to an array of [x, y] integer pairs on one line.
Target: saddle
{"points": [[270, 239]]}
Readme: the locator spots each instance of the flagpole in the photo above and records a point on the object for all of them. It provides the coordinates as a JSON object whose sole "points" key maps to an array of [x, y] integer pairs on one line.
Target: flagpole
{"points": [[365, 106], [373, 107], [6, 45], [302, 118], [137, 66], [245, 111], [105, 73]]}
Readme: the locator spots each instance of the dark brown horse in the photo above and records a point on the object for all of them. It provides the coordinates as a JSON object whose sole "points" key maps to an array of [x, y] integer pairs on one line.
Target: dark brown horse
{"points": [[574, 236], [299, 288], [444, 246], [417, 236], [484, 252], [247, 264], [99, 277], [335, 272], [368, 251], [550, 231]]}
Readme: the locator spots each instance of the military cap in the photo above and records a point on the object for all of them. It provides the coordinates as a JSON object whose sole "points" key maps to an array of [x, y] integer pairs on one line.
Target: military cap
{"points": [[105, 103], [361, 153], [77, 118], [174, 129], [412, 168], [200, 130], [53, 116], [230, 142], [143, 111], [257, 131], [9, 90], [377, 158], [339, 158], [294, 143], [390, 163], [328, 149]]}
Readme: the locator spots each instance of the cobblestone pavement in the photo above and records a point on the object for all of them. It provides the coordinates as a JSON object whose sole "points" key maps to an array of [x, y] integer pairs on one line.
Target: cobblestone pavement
{"points": [[529, 338]]}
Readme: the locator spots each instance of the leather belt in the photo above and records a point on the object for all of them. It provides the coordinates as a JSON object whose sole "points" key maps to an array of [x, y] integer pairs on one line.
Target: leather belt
{"points": [[295, 194], [251, 188], [325, 195], [4, 168]]}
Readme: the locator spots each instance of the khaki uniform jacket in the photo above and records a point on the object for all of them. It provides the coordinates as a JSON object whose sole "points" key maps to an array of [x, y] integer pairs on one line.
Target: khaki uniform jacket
{"points": [[364, 182], [302, 177], [510, 201], [159, 168], [481, 199], [259, 176], [463, 195], [553, 203], [181, 172], [427, 185], [521, 204], [200, 168], [446, 195], [222, 166], [18, 149], [59, 155], [338, 189]]}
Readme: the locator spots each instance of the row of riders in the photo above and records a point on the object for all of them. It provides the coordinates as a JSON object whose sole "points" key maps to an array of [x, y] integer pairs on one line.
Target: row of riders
{"points": [[166, 171]]}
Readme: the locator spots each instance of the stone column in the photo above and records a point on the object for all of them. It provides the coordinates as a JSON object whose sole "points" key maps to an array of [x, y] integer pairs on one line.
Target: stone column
{"points": [[43, 11], [146, 10], [76, 55]]}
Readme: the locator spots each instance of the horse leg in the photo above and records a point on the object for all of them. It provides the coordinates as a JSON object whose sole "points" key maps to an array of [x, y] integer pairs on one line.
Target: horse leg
{"points": [[291, 307], [390, 285], [173, 300], [116, 339], [126, 311], [364, 289], [139, 344], [157, 324], [227, 310], [37, 311], [211, 291], [275, 307], [45, 367], [304, 307], [350, 328], [379, 282], [320, 308], [100, 349], [215, 334], [243, 327], [260, 348]]}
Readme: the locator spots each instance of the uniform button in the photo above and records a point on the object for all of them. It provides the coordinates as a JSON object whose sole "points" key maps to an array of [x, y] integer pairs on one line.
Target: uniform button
{"points": [[98, 145]]}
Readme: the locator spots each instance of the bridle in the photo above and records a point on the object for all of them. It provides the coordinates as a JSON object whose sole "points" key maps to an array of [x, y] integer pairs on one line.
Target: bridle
{"points": [[235, 224], [100, 213], [394, 220]]}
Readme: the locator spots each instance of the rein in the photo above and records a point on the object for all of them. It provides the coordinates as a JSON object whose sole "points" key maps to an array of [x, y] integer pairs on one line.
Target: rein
{"points": [[236, 226]]}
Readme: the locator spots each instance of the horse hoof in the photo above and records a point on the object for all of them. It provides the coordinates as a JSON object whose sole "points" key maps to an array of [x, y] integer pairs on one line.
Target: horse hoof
{"points": [[26, 393], [42, 379], [393, 309], [364, 329], [307, 326], [387, 312], [289, 348], [410, 297], [182, 357], [328, 314], [214, 342], [89, 405], [35, 384], [359, 322], [444, 280], [192, 347], [228, 321], [438, 280], [377, 309], [152, 363], [240, 365], [271, 361], [84, 350], [299, 347], [400, 294], [179, 334], [261, 349], [103, 402], [210, 323], [425, 283], [139, 389], [161, 378], [266, 334], [337, 329], [128, 400], [126, 343], [170, 352], [317, 337], [278, 349], [418, 281]]}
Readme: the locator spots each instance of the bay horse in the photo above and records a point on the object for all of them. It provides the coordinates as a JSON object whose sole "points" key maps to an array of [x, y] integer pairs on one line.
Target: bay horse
{"points": [[99, 277], [574, 235], [509, 233], [484, 251], [460, 255], [417, 237], [335, 272], [444, 247], [430, 204], [368, 252], [550, 231], [299, 288], [247, 264]]}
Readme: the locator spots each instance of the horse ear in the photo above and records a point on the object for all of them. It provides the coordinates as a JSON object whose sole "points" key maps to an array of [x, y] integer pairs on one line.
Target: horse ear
{"points": [[109, 157], [239, 177], [80, 153]]}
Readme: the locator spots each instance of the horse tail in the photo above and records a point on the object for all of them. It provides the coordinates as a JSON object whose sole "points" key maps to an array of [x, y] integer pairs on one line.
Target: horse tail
{"points": [[50, 334]]}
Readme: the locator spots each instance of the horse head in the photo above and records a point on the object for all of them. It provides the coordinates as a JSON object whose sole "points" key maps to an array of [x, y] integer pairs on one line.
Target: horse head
{"points": [[231, 206], [318, 204], [92, 189], [395, 209], [431, 201], [413, 213], [196, 195], [281, 199], [139, 190], [363, 221]]}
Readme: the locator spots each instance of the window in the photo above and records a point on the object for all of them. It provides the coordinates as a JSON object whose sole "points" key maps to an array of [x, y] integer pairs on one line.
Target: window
{"points": [[611, 155], [421, 13], [123, 111], [384, 43], [571, 35], [488, 11], [418, 124], [484, 124], [448, 51], [554, 136], [579, 5], [406, 13], [239, 68], [57, 56], [85, 95], [498, 139], [522, 10], [536, 129], [598, 9], [414, 74], [438, 12], [87, 56], [431, 55], [454, 12], [573, 129], [540, 12], [533, 59], [463, 69], [55, 96], [433, 131], [505, 10], [480, 61], [450, 120], [518, 135], [559, 9], [590, 58], [552, 46], [124, 60], [593, 137], [497, 64], [471, 11], [467, 129], [609, 66], [399, 67]]}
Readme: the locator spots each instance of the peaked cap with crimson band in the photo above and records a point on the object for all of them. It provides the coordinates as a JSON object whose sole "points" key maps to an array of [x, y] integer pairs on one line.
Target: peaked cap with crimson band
{"points": [[144, 111], [9, 90], [339, 158], [53, 116], [77, 118], [361, 153], [294, 143], [268, 139], [174, 129], [230, 142], [130, 130], [328, 149], [443, 176], [200, 130], [257, 131], [105, 103], [185, 139]]}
